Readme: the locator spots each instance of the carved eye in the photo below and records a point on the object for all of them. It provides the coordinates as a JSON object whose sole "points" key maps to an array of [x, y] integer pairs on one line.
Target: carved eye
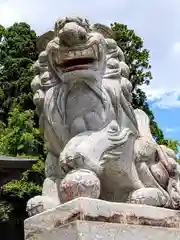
{"points": [[82, 37], [111, 43], [156, 157], [112, 63]]}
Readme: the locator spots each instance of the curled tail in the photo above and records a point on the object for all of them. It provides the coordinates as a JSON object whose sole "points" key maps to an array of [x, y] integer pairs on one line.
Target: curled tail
{"points": [[143, 124]]}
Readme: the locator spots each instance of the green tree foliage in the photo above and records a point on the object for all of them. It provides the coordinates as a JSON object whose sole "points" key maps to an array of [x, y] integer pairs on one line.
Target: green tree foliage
{"points": [[173, 144], [137, 57], [17, 53], [19, 133], [2, 30], [21, 138]]}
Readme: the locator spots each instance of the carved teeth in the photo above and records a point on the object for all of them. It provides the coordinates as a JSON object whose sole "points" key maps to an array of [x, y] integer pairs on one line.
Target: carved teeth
{"points": [[77, 54], [95, 50], [71, 55], [91, 52]]}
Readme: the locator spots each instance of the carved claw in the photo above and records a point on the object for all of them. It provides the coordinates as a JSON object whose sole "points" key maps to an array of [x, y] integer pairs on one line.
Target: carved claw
{"points": [[148, 196], [39, 204], [71, 162]]}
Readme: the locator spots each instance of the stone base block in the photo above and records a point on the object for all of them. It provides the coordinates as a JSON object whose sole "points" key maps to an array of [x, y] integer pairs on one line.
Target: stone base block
{"points": [[86, 219]]}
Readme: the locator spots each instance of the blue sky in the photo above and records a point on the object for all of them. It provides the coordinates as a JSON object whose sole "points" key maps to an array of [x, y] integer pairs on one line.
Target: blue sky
{"points": [[156, 22]]}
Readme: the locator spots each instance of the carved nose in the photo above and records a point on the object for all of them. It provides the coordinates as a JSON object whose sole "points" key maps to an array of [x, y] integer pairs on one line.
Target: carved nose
{"points": [[72, 34]]}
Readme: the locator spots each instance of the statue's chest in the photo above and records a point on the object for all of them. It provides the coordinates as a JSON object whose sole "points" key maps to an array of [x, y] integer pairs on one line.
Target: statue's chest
{"points": [[84, 110]]}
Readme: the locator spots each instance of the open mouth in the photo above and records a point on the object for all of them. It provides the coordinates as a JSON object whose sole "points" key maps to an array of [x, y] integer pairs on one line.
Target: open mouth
{"points": [[75, 64], [69, 60]]}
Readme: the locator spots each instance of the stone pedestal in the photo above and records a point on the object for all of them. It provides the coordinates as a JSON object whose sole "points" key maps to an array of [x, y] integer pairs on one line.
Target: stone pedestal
{"points": [[86, 219]]}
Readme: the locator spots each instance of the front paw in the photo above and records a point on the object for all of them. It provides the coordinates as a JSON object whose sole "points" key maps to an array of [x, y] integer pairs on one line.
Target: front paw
{"points": [[70, 162], [148, 196], [39, 204]]}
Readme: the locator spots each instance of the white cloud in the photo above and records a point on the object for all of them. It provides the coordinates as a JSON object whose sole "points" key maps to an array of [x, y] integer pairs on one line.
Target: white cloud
{"points": [[169, 129], [164, 96], [153, 94], [164, 100], [172, 130], [176, 47]]}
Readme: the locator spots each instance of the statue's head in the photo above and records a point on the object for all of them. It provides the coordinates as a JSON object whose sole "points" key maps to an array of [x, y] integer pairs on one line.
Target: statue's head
{"points": [[77, 51]]}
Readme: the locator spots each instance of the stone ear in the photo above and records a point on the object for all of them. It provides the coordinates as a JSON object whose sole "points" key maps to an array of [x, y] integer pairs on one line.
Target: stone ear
{"points": [[103, 29], [43, 40]]}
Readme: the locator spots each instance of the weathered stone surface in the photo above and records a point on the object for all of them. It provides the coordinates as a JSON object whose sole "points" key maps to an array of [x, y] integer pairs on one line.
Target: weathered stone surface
{"points": [[104, 214], [82, 182], [105, 231], [83, 96]]}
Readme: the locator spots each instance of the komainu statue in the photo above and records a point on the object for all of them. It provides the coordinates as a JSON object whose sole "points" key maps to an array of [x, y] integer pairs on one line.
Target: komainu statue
{"points": [[98, 145]]}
